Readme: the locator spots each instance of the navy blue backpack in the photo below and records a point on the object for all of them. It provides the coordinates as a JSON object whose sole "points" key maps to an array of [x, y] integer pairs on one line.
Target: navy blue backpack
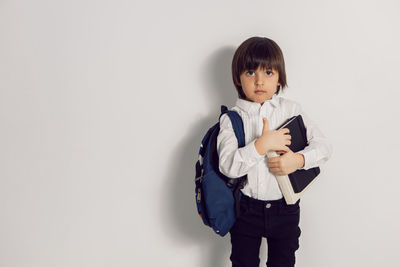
{"points": [[218, 196]]}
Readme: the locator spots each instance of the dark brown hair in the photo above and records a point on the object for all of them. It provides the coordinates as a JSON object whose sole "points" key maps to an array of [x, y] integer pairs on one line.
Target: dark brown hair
{"points": [[254, 52]]}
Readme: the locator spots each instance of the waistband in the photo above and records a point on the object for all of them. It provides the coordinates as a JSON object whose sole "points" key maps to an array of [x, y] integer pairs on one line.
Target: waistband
{"points": [[258, 202]]}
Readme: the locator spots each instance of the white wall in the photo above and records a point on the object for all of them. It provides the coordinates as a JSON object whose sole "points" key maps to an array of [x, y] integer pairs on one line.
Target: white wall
{"points": [[104, 104]]}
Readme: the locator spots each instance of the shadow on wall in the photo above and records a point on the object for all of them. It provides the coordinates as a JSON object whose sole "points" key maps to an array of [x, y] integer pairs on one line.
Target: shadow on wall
{"points": [[182, 223]]}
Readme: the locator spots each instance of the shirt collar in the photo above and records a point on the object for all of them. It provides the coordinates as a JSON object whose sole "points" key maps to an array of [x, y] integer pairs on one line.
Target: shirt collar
{"points": [[254, 107]]}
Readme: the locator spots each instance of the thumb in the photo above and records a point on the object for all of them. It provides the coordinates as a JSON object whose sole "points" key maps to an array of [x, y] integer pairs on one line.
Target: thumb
{"points": [[265, 128]]}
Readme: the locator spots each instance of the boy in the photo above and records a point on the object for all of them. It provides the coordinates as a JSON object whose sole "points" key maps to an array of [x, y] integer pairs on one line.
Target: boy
{"points": [[258, 72]]}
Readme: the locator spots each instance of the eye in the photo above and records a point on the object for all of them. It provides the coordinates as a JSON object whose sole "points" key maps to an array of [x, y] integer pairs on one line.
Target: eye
{"points": [[249, 72], [269, 73]]}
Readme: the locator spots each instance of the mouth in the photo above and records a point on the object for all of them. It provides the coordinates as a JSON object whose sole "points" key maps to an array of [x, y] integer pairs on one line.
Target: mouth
{"points": [[259, 92]]}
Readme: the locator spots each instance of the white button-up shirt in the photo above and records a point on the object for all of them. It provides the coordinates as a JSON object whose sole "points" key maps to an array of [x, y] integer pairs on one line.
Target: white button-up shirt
{"points": [[235, 162]]}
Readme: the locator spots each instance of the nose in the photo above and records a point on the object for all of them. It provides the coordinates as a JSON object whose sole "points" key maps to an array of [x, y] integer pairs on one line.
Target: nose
{"points": [[259, 79]]}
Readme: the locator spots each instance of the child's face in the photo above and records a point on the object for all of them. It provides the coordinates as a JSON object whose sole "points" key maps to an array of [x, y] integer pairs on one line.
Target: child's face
{"points": [[259, 85]]}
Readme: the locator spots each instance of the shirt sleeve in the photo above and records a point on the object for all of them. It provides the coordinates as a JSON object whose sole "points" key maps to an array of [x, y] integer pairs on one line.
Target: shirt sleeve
{"points": [[234, 162], [319, 149]]}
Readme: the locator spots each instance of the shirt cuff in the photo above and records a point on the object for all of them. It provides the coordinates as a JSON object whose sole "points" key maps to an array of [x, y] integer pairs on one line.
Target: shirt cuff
{"points": [[309, 158], [250, 153]]}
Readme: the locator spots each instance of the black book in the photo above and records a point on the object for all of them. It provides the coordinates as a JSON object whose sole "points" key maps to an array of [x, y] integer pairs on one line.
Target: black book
{"points": [[300, 178]]}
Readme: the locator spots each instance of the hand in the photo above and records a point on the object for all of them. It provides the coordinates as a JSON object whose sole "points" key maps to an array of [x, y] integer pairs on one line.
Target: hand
{"points": [[272, 139], [286, 163]]}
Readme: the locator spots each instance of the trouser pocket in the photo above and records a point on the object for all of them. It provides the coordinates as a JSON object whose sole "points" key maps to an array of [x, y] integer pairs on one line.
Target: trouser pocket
{"points": [[289, 209]]}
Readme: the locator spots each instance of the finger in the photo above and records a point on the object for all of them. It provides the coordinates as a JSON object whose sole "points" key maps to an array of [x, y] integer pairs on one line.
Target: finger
{"points": [[285, 130], [273, 165], [274, 169], [273, 159], [277, 171]]}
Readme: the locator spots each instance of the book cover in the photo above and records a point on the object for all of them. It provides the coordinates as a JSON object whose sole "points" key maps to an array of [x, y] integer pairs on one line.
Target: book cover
{"points": [[300, 178], [295, 184]]}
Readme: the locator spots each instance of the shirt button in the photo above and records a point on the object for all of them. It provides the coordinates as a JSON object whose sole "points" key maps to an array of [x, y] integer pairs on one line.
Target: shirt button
{"points": [[268, 205]]}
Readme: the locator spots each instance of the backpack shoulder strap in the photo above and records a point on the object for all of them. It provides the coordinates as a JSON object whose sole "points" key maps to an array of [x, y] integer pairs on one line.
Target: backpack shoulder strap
{"points": [[237, 183], [237, 124]]}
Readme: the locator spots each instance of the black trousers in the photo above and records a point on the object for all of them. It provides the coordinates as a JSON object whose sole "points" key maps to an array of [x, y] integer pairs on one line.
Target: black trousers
{"points": [[272, 219]]}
